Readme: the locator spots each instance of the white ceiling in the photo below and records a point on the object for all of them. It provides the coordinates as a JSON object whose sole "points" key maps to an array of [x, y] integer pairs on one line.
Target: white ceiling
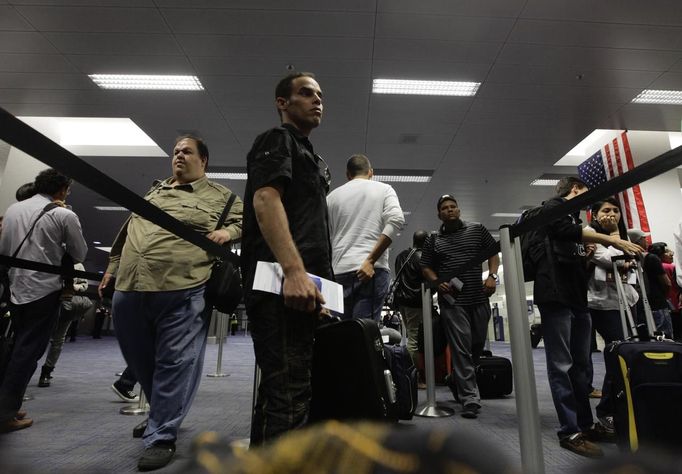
{"points": [[551, 72]]}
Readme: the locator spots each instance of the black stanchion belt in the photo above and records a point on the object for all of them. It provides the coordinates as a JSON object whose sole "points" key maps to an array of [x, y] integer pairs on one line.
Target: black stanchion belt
{"points": [[33, 143]]}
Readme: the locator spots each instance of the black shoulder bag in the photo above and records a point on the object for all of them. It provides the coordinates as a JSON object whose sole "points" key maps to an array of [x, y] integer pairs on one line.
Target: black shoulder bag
{"points": [[4, 270], [391, 296], [224, 288]]}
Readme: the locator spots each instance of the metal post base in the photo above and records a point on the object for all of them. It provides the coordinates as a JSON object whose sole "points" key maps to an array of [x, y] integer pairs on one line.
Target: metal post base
{"points": [[217, 375], [134, 410], [431, 411]]}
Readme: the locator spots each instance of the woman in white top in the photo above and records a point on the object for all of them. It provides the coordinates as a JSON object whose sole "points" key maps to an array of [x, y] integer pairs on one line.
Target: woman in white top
{"points": [[602, 294]]}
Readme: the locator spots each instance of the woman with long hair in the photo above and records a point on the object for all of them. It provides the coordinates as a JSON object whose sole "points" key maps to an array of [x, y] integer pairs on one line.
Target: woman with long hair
{"points": [[602, 295]]}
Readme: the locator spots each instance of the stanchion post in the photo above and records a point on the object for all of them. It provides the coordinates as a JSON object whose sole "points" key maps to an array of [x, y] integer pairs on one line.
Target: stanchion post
{"points": [[430, 408], [222, 328], [524, 375], [140, 409]]}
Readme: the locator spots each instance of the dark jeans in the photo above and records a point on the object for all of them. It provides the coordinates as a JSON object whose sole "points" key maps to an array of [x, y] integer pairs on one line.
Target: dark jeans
{"points": [[567, 333], [466, 328], [283, 344], [163, 338], [364, 299], [33, 323], [608, 324]]}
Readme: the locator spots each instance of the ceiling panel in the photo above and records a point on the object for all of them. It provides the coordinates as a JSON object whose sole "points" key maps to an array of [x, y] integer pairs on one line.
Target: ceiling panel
{"points": [[94, 19], [677, 67], [346, 5], [11, 20], [113, 43], [587, 57], [246, 22], [442, 27], [571, 33], [127, 64], [429, 69], [89, 3], [24, 42], [248, 66], [608, 11], [44, 81], [458, 52], [645, 117], [668, 81], [556, 92], [35, 63], [489, 8]]}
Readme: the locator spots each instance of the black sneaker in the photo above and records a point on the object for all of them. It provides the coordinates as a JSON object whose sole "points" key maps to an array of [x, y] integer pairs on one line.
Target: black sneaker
{"points": [[579, 444], [156, 456], [470, 411], [44, 381], [600, 434], [125, 394]]}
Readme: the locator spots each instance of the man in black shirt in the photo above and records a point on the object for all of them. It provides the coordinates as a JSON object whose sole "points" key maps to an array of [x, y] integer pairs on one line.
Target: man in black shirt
{"points": [[658, 285], [408, 293], [465, 311], [285, 221]]}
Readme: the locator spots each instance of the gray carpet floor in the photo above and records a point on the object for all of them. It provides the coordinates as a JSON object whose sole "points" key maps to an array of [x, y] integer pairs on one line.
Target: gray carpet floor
{"points": [[78, 427]]}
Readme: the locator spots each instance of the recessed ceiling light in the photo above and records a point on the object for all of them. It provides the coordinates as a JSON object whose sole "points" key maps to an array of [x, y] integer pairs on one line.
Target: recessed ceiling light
{"points": [[110, 208], [544, 182], [97, 242], [413, 87], [146, 82], [506, 214], [235, 176], [388, 178], [651, 96]]}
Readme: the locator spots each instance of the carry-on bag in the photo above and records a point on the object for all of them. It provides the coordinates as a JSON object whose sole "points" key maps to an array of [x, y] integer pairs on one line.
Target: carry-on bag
{"points": [[494, 376], [646, 377], [404, 374], [350, 376]]}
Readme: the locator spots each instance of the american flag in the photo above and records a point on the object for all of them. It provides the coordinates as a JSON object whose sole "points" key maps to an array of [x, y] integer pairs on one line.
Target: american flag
{"points": [[615, 159]]}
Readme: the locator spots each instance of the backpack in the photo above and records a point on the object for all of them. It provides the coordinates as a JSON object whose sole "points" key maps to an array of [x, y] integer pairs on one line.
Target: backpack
{"points": [[532, 248]]}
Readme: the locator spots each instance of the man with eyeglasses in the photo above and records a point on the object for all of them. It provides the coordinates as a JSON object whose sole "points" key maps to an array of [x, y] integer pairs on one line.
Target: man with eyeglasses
{"points": [[285, 221]]}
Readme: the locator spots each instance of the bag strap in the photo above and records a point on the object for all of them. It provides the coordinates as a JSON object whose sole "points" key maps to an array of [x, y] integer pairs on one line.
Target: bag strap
{"points": [[226, 211], [397, 275], [46, 209]]}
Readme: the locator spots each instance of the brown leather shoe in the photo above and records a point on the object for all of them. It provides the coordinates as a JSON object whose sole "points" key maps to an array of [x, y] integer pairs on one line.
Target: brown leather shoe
{"points": [[579, 444], [21, 414], [15, 425]]}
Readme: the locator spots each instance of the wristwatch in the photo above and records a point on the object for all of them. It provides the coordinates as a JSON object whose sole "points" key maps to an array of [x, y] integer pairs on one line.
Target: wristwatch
{"points": [[493, 276]]}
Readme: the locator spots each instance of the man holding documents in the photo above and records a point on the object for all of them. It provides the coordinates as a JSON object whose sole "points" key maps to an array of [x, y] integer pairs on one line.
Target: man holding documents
{"points": [[463, 299], [285, 221]]}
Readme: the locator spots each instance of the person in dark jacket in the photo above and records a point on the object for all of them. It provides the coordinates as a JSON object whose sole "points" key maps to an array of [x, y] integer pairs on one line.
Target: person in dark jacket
{"points": [[408, 290], [560, 291]]}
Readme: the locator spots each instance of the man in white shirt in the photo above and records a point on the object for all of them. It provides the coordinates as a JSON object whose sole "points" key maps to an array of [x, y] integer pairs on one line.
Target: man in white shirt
{"points": [[35, 295], [364, 217]]}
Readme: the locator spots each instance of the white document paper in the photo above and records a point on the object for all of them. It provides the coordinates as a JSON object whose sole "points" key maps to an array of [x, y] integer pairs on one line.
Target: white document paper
{"points": [[269, 277]]}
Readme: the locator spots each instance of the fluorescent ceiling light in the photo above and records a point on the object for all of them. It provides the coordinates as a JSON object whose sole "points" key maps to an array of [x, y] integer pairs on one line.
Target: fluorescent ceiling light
{"points": [[388, 178], [544, 182], [97, 242], [97, 136], [234, 176], [651, 96], [413, 87], [506, 214], [104, 249], [110, 208], [146, 82]]}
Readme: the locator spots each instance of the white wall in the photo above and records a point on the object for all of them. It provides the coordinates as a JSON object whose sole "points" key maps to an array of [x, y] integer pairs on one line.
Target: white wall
{"points": [[19, 169]]}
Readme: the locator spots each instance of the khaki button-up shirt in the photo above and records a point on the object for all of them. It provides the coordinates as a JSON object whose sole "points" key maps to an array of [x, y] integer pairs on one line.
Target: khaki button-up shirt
{"points": [[146, 257]]}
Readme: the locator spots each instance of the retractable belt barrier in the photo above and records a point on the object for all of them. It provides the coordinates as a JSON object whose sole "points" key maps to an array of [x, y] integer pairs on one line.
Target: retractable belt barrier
{"points": [[35, 144], [652, 168]]}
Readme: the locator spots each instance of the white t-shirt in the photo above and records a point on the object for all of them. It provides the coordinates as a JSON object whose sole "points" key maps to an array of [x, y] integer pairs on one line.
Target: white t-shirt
{"points": [[359, 212]]}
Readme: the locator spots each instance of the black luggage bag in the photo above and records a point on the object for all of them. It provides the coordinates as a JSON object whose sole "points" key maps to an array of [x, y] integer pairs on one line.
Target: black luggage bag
{"points": [[646, 378], [494, 376], [404, 374], [350, 376]]}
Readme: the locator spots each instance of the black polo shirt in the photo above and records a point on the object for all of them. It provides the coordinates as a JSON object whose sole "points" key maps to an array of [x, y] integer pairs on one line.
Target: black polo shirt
{"points": [[284, 157], [445, 252]]}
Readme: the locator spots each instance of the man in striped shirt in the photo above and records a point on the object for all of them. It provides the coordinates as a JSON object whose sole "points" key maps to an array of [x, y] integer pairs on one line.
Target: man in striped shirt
{"points": [[465, 308]]}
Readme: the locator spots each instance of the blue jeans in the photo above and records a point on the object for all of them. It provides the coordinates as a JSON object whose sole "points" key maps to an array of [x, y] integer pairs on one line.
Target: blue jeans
{"points": [[364, 299], [163, 339], [567, 334], [663, 321], [283, 344]]}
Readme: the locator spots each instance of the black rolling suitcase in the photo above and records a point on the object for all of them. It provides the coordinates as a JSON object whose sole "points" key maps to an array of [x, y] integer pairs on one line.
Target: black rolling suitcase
{"points": [[494, 376], [647, 382], [404, 374], [350, 376]]}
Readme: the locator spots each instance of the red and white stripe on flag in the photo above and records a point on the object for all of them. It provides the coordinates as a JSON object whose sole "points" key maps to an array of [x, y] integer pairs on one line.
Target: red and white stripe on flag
{"points": [[618, 160]]}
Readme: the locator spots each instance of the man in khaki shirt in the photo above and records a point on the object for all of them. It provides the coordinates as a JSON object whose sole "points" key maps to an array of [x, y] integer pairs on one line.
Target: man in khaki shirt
{"points": [[158, 308]]}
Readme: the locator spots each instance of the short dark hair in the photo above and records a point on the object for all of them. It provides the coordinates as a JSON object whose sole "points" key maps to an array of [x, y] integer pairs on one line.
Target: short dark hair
{"points": [[358, 165], [25, 191], [446, 197], [657, 248], [419, 238], [566, 183], [284, 86], [202, 148], [51, 181]]}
